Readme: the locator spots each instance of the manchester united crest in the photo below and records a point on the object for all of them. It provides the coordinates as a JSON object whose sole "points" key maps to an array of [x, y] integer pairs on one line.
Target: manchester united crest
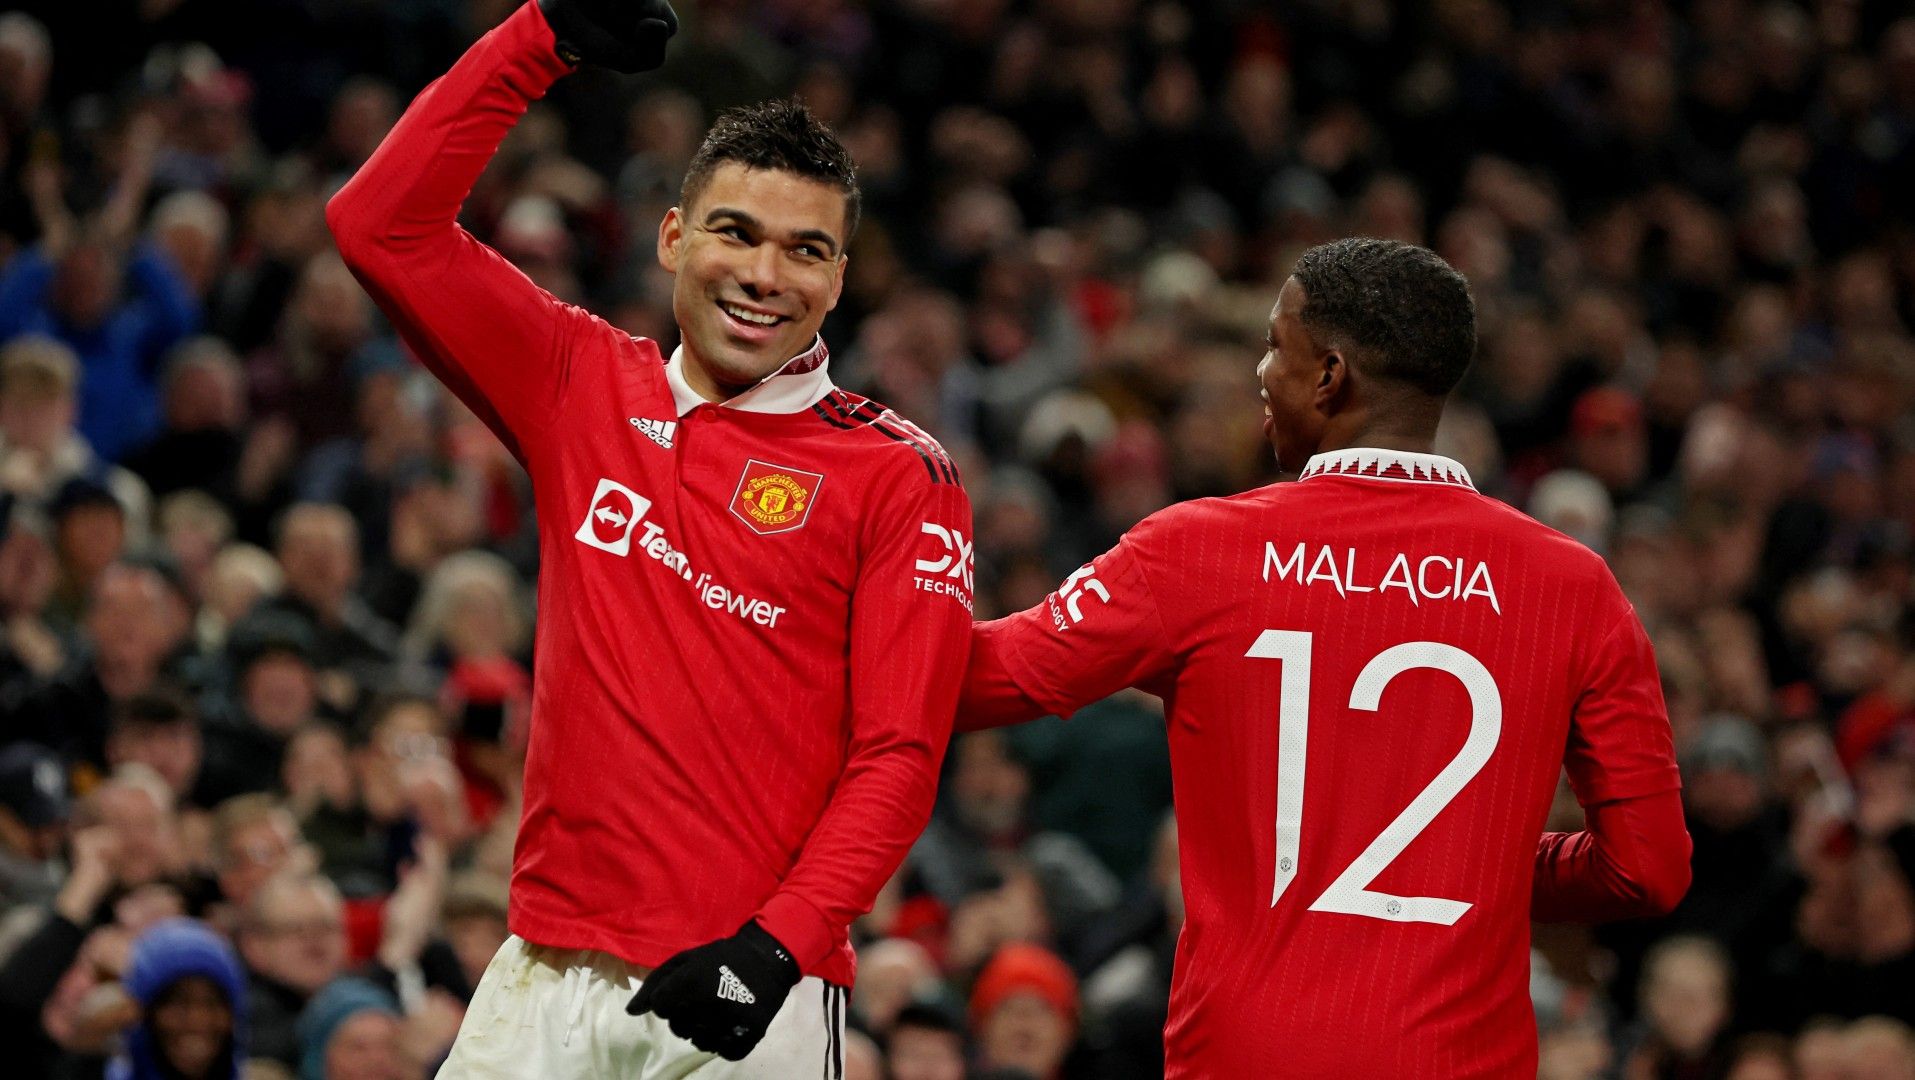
{"points": [[774, 498]]}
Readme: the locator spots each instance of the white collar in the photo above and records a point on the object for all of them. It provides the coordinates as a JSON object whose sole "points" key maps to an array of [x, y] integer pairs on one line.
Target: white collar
{"points": [[1399, 465], [800, 383]]}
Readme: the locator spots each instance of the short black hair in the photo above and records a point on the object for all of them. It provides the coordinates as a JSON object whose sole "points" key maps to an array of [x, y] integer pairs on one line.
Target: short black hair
{"points": [[1407, 311], [929, 1016], [779, 134], [162, 706]]}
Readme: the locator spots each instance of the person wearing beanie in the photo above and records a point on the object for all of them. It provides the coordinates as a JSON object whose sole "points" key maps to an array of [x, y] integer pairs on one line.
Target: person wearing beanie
{"points": [[1024, 1011], [350, 1031], [188, 985]]}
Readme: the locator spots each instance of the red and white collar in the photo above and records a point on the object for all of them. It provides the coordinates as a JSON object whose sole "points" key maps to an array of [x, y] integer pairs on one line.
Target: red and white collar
{"points": [[1401, 466], [800, 383]]}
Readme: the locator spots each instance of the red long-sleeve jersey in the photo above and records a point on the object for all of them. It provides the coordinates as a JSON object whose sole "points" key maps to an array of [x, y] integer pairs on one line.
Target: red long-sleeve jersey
{"points": [[752, 617], [1373, 678]]}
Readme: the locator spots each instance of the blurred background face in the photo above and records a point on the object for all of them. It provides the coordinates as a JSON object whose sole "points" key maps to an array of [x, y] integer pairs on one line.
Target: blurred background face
{"points": [[891, 974], [1687, 1000], [757, 246], [480, 624], [280, 691], [317, 761], [255, 852], [85, 286], [990, 788], [192, 1023], [171, 750], [331, 306], [366, 1047], [132, 621], [148, 846], [926, 1054], [89, 537], [296, 936], [36, 420], [203, 396], [1025, 1032], [320, 555], [475, 939]]}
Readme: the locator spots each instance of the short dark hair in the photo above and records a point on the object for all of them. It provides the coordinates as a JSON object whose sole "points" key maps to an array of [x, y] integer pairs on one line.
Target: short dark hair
{"points": [[930, 1017], [161, 706], [1406, 310], [780, 134]]}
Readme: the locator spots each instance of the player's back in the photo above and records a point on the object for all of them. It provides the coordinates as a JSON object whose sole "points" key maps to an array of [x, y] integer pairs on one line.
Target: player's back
{"points": [[1368, 711]]}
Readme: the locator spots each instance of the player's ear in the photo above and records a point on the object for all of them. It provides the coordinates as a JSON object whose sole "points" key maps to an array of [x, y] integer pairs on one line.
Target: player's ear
{"points": [[671, 235], [1333, 377]]}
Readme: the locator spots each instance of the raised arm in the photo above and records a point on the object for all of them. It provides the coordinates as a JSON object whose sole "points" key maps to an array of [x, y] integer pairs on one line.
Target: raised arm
{"points": [[501, 343], [1633, 858]]}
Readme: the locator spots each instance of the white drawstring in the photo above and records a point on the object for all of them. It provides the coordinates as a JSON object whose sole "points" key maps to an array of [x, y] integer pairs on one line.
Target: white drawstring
{"points": [[577, 978]]}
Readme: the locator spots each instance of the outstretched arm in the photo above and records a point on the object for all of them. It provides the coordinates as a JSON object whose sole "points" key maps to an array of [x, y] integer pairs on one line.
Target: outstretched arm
{"points": [[501, 343], [1100, 632]]}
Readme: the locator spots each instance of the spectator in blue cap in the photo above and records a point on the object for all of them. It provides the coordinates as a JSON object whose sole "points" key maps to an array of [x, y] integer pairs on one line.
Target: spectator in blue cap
{"points": [[350, 1031], [187, 983]]}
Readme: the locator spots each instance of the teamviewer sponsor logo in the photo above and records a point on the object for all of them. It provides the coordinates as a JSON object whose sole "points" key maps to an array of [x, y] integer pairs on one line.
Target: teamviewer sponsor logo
{"points": [[950, 571], [616, 511], [611, 517]]}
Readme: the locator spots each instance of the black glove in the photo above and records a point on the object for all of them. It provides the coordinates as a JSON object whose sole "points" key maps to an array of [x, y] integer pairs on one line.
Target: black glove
{"points": [[722, 996], [624, 35]]}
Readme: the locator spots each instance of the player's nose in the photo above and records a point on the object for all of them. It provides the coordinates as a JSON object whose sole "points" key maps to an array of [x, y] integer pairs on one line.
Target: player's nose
{"points": [[760, 272]]}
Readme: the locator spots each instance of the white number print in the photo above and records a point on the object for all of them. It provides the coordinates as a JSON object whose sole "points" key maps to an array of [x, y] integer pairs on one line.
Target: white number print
{"points": [[1350, 893]]}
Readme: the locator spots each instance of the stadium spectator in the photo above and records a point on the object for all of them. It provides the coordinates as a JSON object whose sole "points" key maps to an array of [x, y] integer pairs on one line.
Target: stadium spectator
{"points": [[293, 939], [1024, 1013], [351, 1031], [275, 693], [925, 1043], [201, 438], [33, 815], [189, 998]]}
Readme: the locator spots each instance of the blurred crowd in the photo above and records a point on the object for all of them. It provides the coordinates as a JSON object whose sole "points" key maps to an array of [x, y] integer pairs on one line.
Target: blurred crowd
{"points": [[265, 587]]}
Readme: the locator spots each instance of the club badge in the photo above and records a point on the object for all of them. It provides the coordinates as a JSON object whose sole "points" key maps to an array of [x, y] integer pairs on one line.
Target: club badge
{"points": [[774, 498]]}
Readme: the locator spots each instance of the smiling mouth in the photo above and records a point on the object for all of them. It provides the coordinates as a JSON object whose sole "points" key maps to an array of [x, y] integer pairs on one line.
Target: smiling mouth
{"points": [[750, 317]]}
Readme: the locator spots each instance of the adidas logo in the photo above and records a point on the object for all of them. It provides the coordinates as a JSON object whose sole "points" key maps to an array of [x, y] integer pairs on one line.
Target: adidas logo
{"points": [[732, 989], [659, 431]]}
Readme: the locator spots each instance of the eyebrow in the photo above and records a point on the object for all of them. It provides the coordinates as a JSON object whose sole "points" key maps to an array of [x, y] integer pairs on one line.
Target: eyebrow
{"points": [[819, 236]]}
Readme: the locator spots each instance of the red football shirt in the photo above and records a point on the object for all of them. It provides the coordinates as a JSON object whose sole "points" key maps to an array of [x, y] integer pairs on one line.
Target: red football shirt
{"points": [[1372, 678], [752, 617]]}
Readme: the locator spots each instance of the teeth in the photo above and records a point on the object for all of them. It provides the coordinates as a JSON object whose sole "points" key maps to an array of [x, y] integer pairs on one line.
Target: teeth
{"points": [[752, 317]]}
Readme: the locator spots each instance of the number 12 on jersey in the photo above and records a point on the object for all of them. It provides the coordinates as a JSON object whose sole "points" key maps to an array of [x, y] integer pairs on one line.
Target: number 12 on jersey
{"points": [[1350, 893]]}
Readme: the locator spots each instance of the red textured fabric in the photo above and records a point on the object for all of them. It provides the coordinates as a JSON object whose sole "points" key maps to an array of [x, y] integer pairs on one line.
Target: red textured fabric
{"points": [[730, 719], [1631, 862], [1420, 663]]}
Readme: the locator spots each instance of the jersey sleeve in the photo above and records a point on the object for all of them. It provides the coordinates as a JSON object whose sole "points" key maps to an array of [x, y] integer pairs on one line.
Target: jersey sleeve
{"points": [[499, 341], [1631, 862], [1619, 741], [910, 630], [1100, 632]]}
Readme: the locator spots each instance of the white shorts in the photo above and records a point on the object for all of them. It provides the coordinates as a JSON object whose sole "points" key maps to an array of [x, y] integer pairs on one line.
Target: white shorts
{"points": [[559, 1014]]}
